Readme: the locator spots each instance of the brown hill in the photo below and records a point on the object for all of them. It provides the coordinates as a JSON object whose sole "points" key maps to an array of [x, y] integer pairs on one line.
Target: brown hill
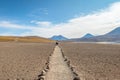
{"points": [[24, 39]]}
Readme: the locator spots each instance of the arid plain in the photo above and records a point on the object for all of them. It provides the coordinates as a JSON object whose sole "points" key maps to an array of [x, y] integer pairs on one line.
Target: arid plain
{"points": [[94, 61], [23, 61]]}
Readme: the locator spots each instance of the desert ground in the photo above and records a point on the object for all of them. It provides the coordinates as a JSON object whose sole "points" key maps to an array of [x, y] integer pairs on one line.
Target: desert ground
{"points": [[23, 61], [94, 61]]}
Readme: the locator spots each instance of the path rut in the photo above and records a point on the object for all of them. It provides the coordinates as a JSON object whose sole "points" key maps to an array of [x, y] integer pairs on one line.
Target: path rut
{"points": [[59, 69]]}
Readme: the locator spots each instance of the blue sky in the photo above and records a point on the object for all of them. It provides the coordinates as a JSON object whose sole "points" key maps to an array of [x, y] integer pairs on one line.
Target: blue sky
{"points": [[45, 18]]}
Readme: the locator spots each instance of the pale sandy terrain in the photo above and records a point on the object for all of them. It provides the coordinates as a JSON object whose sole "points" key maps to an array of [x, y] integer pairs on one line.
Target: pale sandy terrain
{"points": [[94, 61], [59, 70], [23, 61]]}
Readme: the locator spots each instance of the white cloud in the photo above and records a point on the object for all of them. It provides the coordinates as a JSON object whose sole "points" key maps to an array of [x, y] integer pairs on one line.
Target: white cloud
{"points": [[97, 23], [42, 23], [8, 24], [8, 34]]}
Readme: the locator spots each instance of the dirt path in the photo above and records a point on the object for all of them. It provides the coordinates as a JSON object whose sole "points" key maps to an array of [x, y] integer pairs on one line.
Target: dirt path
{"points": [[59, 69]]}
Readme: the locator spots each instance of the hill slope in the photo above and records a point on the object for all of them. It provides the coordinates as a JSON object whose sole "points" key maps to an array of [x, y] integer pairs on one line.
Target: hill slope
{"points": [[58, 37], [116, 31], [88, 35], [24, 39]]}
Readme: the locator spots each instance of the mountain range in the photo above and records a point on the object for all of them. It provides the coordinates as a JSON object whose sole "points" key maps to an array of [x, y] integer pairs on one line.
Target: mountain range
{"points": [[112, 36]]}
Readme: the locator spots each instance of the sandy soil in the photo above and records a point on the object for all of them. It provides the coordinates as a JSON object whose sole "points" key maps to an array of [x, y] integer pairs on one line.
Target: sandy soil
{"points": [[94, 61], [23, 61], [59, 69]]}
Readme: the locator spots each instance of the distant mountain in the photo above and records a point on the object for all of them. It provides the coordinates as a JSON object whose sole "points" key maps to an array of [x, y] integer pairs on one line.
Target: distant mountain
{"points": [[112, 36], [59, 37], [88, 35], [116, 31]]}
